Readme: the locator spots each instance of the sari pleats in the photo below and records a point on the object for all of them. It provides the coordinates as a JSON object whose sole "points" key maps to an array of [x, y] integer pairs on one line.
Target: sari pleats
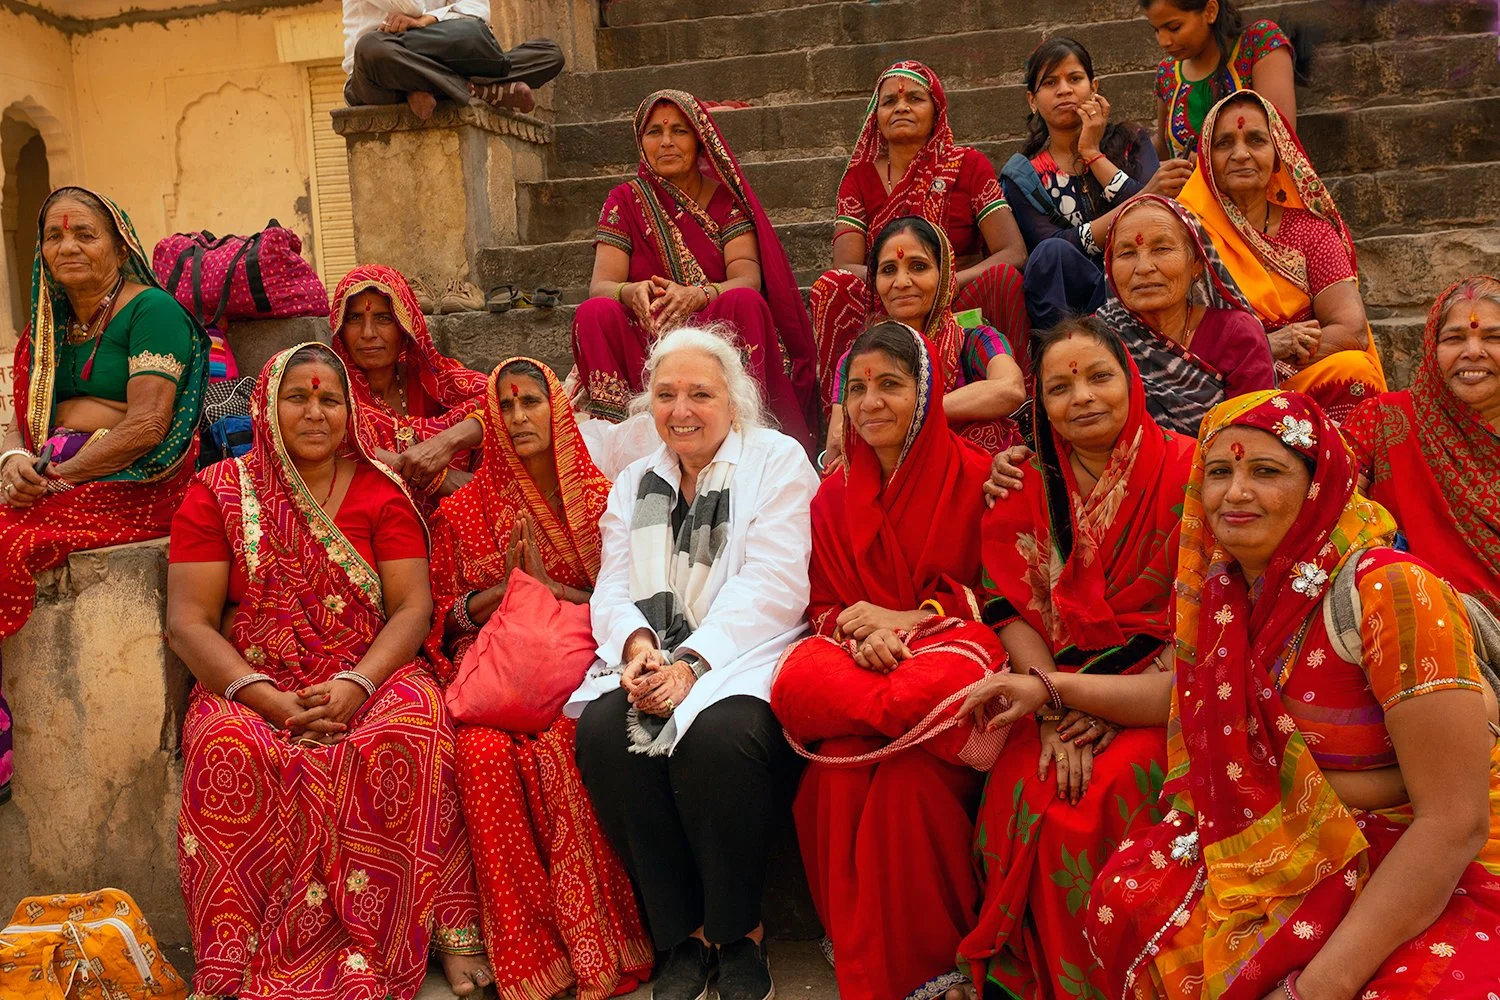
{"points": [[558, 907], [1038, 855], [316, 872]]}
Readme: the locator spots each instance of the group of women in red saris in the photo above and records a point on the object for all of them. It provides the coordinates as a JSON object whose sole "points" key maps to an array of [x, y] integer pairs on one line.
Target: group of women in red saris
{"points": [[1128, 713]]}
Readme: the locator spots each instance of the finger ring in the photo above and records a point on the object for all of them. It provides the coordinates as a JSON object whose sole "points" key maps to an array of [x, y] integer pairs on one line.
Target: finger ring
{"points": [[671, 706]]}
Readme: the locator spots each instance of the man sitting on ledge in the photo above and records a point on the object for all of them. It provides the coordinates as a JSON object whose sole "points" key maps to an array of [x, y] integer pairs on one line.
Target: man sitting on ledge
{"points": [[421, 51]]}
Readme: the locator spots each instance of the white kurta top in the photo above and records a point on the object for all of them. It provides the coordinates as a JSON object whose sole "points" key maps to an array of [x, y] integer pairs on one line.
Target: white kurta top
{"points": [[759, 582], [364, 16]]}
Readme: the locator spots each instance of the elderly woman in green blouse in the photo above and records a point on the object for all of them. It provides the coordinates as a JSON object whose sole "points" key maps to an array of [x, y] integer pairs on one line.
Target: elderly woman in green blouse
{"points": [[108, 385]]}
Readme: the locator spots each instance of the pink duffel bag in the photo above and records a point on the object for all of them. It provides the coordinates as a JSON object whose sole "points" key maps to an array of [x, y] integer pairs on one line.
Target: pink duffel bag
{"points": [[233, 278], [530, 656]]}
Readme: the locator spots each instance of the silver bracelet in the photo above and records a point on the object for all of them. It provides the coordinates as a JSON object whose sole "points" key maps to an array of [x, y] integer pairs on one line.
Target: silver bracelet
{"points": [[358, 678], [243, 681], [5, 455]]}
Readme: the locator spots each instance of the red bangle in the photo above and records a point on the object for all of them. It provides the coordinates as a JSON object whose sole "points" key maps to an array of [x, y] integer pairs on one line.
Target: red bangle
{"points": [[1086, 164], [1289, 985], [1054, 699]]}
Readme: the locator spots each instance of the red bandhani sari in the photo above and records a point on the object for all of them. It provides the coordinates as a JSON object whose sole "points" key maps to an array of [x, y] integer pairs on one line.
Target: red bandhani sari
{"points": [[886, 844], [131, 505], [951, 186], [439, 391], [1093, 576], [321, 872], [557, 904], [1434, 463], [667, 234], [1259, 859]]}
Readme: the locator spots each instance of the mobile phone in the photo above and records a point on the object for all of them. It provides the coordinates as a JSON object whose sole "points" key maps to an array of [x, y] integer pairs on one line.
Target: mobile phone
{"points": [[43, 460]]}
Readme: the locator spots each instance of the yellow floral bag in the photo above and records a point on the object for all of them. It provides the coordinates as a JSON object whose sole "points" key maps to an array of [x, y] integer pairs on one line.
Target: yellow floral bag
{"points": [[84, 946]]}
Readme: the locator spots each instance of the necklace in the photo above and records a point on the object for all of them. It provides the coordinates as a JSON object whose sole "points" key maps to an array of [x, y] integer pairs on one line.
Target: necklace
{"points": [[1265, 224], [332, 484], [78, 332]]}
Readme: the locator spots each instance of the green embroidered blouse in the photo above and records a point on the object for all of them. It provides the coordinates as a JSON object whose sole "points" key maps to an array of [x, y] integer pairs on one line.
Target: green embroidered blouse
{"points": [[150, 335]]}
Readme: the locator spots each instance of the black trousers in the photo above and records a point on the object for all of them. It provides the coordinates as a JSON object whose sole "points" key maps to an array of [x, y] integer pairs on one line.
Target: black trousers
{"points": [[693, 828], [441, 59]]}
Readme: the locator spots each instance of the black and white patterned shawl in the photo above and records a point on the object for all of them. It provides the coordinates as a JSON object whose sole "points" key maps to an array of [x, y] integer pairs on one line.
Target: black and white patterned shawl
{"points": [[669, 573]]}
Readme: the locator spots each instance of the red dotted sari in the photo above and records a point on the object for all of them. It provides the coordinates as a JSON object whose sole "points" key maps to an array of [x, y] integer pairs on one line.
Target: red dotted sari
{"points": [[557, 904]]}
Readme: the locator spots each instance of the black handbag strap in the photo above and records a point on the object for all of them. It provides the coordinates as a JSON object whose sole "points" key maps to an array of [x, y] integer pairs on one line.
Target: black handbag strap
{"points": [[229, 281], [253, 276]]}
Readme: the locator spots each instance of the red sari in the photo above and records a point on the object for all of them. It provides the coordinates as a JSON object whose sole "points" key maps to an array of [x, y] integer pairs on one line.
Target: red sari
{"points": [[1259, 860], [439, 391], [667, 234], [951, 186], [1434, 463], [316, 872], [886, 844], [1092, 575], [557, 904]]}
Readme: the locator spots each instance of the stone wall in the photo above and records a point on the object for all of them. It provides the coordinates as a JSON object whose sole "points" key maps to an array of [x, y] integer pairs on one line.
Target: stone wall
{"points": [[98, 701]]}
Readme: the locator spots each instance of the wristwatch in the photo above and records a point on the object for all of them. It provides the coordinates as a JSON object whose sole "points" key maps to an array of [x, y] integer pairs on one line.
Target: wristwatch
{"points": [[694, 662]]}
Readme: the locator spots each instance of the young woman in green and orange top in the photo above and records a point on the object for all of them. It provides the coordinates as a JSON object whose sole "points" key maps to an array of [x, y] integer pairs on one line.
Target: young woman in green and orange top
{"points": [[1210, 55]]}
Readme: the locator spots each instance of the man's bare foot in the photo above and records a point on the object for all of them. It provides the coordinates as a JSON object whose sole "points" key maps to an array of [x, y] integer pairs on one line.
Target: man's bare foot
{"points": [[467, 975], [422, 104]]}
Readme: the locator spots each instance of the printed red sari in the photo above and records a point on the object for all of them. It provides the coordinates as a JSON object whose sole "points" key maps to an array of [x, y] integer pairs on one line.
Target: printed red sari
{"points": [[439, 391], [667, 234], [886, 844], [557, 904], [1259, 860], [1093, 576], [321, 872], [1434, 463], [951, 186]]}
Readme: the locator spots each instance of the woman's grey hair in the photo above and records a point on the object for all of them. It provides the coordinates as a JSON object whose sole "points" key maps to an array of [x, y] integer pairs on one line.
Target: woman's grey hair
{"points": [[317, 354], [1479, 288], [717, 340]]}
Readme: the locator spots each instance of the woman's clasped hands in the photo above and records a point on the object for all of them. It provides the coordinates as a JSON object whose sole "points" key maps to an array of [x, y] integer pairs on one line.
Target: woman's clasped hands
{"points": [[653, 685]]}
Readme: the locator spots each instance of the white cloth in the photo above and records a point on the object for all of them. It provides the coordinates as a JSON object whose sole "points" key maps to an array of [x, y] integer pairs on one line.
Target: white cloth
{"points": [[614, 446], [759, 587], [364, 16]]}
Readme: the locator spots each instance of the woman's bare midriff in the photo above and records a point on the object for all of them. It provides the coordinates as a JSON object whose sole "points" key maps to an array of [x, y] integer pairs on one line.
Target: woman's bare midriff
{"points": [[1383, 788], [87, 413]]}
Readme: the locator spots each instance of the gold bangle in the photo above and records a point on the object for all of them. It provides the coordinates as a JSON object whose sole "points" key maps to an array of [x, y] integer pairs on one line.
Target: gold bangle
{"points": [[620, 292], [477, 416], [436, 484]]}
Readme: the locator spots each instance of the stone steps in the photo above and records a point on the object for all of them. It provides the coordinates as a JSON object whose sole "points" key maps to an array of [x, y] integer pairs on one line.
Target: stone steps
{"points": [[1459, 131], [1382, 72], [981, 41]]}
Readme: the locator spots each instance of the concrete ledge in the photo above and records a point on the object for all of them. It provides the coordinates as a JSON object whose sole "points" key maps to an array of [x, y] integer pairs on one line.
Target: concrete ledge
{"points": [[98, 703], [428, 195]]}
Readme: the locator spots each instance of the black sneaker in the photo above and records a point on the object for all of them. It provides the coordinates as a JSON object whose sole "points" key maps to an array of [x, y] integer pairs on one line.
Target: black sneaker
{"points": [[685, 973], [744, 973]]}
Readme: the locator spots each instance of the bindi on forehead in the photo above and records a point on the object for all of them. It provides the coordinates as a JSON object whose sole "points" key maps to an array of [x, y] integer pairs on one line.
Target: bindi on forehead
{"points": [[900, 253], [1239, 123], [316, 383], [1140, 239], [1073, 367], [66, 227], [1237, 450], [515, 391], [1473, 320]]}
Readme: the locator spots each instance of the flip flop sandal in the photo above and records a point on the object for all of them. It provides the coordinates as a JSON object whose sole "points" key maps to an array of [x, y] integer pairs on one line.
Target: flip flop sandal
{"points": [[547, 298], [501, 298]]}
